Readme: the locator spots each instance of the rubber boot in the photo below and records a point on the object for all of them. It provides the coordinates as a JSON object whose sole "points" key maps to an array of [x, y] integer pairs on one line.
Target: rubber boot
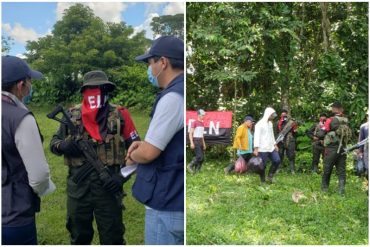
{"points": [[342, 183], [229, 168], [292, 167], [325, 184], [315, 169], [191, 167], [198, 166]]}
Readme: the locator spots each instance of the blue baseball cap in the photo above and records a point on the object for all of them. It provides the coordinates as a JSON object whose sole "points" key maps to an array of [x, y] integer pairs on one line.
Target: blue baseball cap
{"points": [[165, 46], [248, 118], [14, 69]]}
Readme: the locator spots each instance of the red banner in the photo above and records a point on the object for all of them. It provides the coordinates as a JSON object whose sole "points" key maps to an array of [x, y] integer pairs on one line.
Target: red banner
{"points": [[217, 126]]}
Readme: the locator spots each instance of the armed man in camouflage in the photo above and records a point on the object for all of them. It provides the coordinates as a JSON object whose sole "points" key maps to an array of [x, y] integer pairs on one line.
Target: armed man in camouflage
{"points": [[111, 130], [317, 144], [336, 135], [288, 145]]}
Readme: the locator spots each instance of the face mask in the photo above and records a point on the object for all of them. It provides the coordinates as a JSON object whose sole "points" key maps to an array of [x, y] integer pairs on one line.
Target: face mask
{"points": [[27, 99], [153, 79]]}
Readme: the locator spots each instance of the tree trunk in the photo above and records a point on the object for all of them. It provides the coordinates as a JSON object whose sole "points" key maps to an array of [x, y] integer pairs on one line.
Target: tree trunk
{"points": [[325, 24]]}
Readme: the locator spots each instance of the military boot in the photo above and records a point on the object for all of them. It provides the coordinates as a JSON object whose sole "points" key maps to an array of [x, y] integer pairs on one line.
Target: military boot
{"points": [[342, 183]]}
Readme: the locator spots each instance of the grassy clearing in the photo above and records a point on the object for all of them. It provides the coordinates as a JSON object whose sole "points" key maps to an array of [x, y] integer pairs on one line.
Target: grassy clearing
{"points": [[236, 209], [51, 220]]}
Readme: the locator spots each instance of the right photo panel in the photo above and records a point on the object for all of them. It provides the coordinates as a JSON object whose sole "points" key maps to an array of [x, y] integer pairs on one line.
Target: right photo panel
{"points": [[277, 123]]}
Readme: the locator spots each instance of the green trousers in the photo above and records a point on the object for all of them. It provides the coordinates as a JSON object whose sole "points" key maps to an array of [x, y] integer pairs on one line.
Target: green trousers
{"points": [[331, 159], [89, 200]]}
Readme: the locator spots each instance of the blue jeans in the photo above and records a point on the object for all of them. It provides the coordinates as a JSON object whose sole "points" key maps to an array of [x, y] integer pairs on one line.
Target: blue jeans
{"points": [[19, 235], [164, 227], [275, 160]]}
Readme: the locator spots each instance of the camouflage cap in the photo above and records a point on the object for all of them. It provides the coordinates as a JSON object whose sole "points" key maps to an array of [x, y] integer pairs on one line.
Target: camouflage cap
{"points": [[97, 78]]}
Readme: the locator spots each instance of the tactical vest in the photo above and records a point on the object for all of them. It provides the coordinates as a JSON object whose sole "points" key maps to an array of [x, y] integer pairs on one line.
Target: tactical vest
{"points": [[18, 200], [160, 183], [341, 136], [287, 131], [317, 128], [111, 151]]}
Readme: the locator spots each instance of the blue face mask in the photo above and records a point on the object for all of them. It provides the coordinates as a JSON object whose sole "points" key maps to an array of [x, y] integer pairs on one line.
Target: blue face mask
{"points": [[27, 99], [153, 79]]}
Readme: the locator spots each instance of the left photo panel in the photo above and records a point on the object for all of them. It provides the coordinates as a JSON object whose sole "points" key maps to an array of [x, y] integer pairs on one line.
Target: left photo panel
{"points": [[92, 123]]}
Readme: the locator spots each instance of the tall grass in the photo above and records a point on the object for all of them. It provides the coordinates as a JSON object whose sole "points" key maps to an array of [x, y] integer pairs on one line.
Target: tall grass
{"points": [[52, 218]]}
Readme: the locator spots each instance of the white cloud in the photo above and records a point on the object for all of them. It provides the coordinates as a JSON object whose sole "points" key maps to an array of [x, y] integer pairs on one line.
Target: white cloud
{"points": [[22, 56], [146, 26], [108, 12], [152, 8], [174, 8], [19, 33]]}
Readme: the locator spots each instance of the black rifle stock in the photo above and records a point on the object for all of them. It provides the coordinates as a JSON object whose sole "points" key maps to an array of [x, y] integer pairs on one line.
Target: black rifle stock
{"points": [[86, 148]]}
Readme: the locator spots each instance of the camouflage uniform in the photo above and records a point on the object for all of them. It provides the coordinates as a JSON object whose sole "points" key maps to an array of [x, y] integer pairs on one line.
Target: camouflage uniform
{"points": [[288, 145], [87, 198], [317, 147], [334, 142]]}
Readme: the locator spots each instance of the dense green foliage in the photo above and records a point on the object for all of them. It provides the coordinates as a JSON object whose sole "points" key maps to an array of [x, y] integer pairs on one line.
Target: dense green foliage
{"points": [[52, 218], [236, 209], [300, 56], [168, 25], [81, 42]]}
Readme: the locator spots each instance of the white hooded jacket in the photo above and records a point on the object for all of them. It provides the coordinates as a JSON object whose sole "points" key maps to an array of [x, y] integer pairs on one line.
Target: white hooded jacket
{"points": [[264, 138]]}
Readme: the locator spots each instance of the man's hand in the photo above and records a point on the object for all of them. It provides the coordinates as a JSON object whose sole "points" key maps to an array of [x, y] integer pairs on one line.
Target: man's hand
{"points": [[134, 145], [204, 147], [255, 152], [115, 183], [129, 162], [276, 148], [69, 148], [315, 138], [192, 146]]}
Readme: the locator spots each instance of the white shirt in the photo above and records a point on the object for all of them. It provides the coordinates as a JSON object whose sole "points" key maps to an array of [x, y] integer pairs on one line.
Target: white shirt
{"points": [[168, 119]]}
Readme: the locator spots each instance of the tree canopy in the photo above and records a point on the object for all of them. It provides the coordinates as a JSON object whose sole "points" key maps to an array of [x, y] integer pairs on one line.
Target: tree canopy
{"points": [[81, 42], [299, 56], [6, 44], [168, 25]]}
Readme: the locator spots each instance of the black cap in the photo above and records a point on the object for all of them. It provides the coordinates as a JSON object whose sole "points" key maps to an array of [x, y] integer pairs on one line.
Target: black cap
{"points": [[97, 78], [337, 104], [323, 115], [14, 69], [284, 110], [165, 46]]}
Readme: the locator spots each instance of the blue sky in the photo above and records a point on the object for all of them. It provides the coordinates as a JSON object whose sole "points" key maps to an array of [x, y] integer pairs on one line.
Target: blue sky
{"points": [[28, 21]]}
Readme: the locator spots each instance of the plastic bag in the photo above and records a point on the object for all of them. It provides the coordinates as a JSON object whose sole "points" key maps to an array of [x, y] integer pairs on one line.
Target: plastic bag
{"points": [[240, 165], [359, 166]]}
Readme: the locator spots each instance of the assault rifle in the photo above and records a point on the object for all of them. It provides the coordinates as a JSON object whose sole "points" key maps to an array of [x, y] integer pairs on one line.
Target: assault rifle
{"points": [[356, 146], [87, 150], [285, 131]]}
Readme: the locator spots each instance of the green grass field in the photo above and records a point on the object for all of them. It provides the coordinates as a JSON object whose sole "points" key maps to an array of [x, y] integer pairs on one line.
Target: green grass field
{"points": [[51, 220], [236, 209]]}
